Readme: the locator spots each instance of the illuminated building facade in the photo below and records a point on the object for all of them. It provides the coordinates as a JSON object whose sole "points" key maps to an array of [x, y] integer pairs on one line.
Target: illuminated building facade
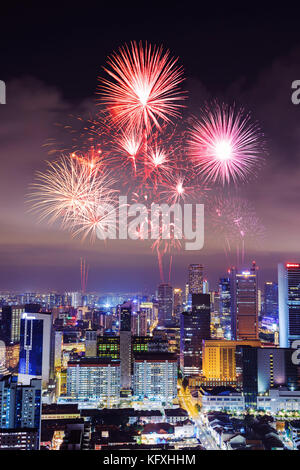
{"points": [[195, 279], [125, 345], [155, 377], [194, 328], [271, 300], [289, 303], [20, 405], [10, 323], [165, 303], [219, 360], [92, 379], [36, 347], [244, 304]]}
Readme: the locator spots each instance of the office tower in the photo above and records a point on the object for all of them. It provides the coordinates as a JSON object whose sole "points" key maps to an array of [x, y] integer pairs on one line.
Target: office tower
{"points": [[248, 365], [139, 323], [36, 348], [194, 328], [271, 300], [91, 343], [20, 405], [266, 368], [178, 302], [219, 361], [94, 379], [289, 303], [225, 305], [165, 303], [125, 345], [275, 368], [149, 309], [10, 323], [58, 347], [244, 304], [195, 279], [155, 377]]}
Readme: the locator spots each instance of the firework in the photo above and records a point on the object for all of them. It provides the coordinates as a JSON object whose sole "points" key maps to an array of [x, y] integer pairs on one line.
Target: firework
{"points": [[236, 223], [225, 145], [73, 193], [144, 86], [128, 144]]}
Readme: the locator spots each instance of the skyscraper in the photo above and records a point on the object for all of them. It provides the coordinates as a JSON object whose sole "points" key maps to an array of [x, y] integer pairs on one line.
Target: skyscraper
{"points": [[289, 303], [178, 302], [10, 323], [271, 300], [36, 348], [195, 279], [244, 304], [125, 346], [194, 328], [165, 303], [225, 306]]}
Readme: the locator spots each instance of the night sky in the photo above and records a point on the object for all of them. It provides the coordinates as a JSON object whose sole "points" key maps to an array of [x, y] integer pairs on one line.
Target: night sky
{"points": [[50, 58]]}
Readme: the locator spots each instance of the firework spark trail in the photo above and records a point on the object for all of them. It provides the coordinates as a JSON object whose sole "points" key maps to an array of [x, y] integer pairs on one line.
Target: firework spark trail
{"points": [[144, 89], [235, 219], [225, 145], [71, 192]]}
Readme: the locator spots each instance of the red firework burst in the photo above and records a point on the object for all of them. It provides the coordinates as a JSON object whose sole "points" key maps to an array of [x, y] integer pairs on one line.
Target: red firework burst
{"points": [[144, 89]]}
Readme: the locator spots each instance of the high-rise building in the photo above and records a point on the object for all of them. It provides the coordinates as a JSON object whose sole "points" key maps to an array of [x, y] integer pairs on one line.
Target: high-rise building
{"points": [[165, 303], [225, 306], [58, 347], [244, 304], [10, 323], [195, 279], [92, 379], [139, 323], [271, 300], [125, 346], [155, 377], [178, 302], [36, 348], [194, 328], [20, 405], [289, 303]]}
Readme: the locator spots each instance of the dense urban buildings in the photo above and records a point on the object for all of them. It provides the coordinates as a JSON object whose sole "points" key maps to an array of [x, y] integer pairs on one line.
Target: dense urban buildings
{"points": [[164, 362]]}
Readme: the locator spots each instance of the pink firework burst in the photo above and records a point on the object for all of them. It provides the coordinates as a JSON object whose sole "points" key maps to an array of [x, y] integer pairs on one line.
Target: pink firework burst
{"points": [[144, 86], [225, 145]]}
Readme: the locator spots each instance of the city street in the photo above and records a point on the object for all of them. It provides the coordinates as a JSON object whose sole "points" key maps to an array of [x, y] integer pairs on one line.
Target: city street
{"points": [[202, 432]]}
